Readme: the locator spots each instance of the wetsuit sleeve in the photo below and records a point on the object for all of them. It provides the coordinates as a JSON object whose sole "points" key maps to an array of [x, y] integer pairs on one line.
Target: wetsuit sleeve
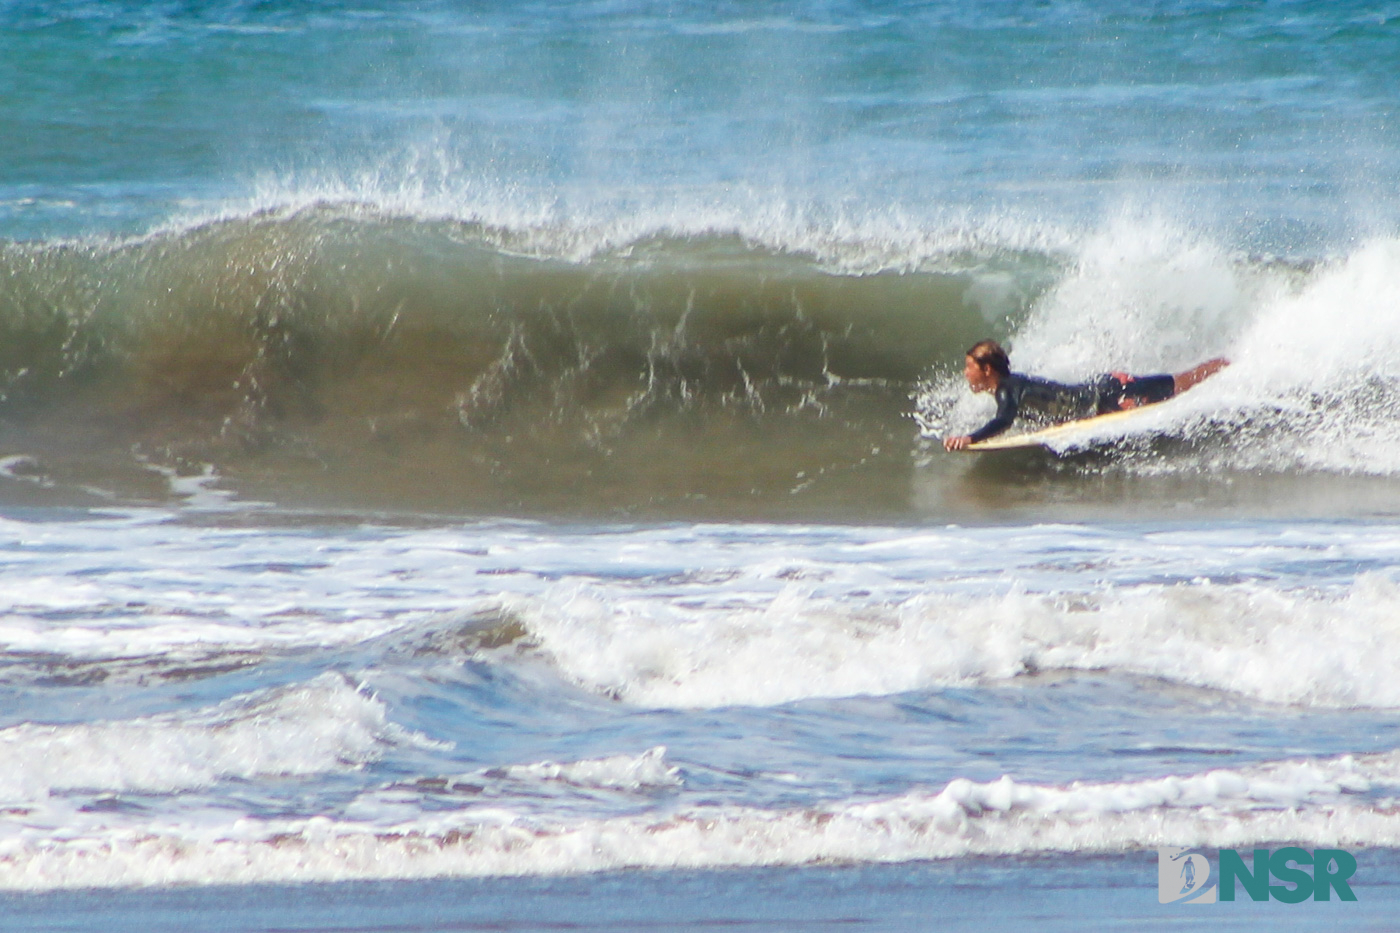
{"points": [[1007, 407]]}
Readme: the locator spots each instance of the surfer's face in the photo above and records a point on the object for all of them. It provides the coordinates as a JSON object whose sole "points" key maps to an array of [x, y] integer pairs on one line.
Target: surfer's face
{"points": [[980, 377]]}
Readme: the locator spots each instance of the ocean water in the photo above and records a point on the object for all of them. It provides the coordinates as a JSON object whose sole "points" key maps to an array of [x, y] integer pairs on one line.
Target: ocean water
{"points": [[480, 464]]}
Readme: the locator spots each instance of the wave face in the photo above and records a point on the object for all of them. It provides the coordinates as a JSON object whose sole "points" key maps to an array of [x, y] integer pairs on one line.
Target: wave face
{"points": [[340, 348]]}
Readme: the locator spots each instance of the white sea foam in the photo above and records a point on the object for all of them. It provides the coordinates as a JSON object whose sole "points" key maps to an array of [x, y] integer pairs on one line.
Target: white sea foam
{"points": [[619, 772], [165, 638], [1143, 296], [1347, 801], [1328, 357], [324, 725], [1332, 650], [130, 586], [24, 468], [701, 616], [199, 491]]}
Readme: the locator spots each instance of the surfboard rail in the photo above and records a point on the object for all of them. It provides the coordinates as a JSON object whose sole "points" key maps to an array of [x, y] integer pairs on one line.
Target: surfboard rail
{"points": [[1045, 436]]}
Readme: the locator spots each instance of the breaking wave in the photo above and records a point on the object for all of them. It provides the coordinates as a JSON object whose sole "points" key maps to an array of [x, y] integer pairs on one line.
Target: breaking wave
{"points": [[1311, 648], [324, 725], [340, 353]]}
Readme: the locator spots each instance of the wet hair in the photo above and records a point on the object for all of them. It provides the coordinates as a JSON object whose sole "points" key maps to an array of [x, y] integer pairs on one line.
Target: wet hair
{"points": [[990, 353]]}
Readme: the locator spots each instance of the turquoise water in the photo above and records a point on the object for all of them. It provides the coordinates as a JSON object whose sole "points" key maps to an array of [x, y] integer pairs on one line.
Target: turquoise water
{"points": [[492, 452], [1271, 121]]}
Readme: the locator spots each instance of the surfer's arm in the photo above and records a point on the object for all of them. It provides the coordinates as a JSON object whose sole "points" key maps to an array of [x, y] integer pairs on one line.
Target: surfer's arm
{"points": [[1007, 408], [991, 428], [1008, 405]]}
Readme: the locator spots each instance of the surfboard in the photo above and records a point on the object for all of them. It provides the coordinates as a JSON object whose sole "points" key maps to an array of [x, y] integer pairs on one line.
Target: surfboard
{"points": [[1059, 432]]}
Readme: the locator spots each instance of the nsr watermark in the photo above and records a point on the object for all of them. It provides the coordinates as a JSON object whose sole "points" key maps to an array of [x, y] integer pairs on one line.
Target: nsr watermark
{"points": [[1184, 875]]}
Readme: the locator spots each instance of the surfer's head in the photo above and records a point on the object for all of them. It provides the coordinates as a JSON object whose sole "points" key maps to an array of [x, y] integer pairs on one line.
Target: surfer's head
{"points": [[986, 364]]}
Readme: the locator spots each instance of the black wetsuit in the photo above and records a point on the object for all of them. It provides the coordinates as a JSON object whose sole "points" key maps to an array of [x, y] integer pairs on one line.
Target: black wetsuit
{"points": [[1059, 402]]}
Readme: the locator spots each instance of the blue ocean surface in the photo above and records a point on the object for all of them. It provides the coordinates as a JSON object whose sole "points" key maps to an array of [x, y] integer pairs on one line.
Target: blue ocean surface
{"points": [[480, 464]]}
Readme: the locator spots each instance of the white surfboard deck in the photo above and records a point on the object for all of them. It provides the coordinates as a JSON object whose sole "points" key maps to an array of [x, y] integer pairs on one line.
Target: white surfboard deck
{"points": [[1059, 432]]}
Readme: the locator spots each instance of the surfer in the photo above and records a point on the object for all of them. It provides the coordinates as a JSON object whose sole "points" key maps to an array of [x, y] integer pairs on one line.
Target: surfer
{"points": [[988, 369]]}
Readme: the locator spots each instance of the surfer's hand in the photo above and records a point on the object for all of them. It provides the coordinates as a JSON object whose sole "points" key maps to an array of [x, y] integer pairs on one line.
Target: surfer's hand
{"points": [[956, 443]]}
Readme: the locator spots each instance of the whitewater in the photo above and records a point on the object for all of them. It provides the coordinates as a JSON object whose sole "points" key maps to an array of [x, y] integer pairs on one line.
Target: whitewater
{"points": [[482, 465], [210, 732]]}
